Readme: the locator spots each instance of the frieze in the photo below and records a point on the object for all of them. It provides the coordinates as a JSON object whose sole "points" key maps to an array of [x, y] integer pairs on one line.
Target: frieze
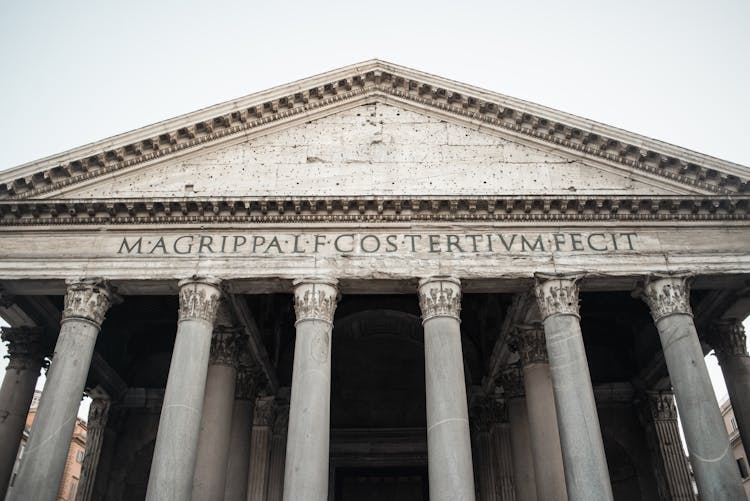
{"points": [[87, 299], [26, 347], [440, 297], [199, 299], [499, 114], [372, 209], [667, 295], [557, 295]]}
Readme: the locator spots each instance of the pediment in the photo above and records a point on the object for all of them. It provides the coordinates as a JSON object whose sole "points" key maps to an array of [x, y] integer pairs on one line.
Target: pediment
{"points": [[368, 130], [372, 149]]}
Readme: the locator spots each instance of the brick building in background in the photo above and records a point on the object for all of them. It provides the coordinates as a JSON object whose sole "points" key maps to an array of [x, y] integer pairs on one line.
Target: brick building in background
{"points": [[72, 473], [734, 438]]}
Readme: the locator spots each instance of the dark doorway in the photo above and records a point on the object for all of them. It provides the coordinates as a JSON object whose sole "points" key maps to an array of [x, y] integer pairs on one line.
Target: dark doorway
{"points": [[381, 484]]}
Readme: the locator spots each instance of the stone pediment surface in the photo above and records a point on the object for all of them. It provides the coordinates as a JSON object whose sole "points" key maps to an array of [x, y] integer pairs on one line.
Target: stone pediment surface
{"points": [[373, 149], [373, 129]]}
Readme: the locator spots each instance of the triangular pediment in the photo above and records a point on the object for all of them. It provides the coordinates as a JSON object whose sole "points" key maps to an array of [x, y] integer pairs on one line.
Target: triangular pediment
{"points": [[372, 149], [373, 129]]}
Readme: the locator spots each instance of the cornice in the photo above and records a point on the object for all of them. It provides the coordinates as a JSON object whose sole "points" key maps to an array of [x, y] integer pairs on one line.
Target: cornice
{"points": [[489, 110], [376, 209]]}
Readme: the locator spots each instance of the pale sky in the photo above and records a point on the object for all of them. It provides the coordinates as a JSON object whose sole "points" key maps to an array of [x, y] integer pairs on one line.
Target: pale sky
{"points": [[75, 72]]}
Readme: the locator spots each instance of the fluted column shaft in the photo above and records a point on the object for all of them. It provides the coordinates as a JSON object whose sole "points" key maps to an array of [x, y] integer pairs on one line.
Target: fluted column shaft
{"points": [[449, 464], [260, 449], [502, 461], [26, 352], [277, 460], [86, 302], [306, 471], [209, 479], [238, 462], [540, 403], [730, 344], [176, 445], [716, 472], [481, 421], [98, 414], [524, 476], [586, 474], [659, 417]]}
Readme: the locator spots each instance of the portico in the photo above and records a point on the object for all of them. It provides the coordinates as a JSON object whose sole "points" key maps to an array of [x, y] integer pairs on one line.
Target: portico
{"points": [[505, 320]]}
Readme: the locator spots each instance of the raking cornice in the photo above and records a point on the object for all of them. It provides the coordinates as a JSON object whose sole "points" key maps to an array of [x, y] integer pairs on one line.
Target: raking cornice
{"points": [[374, 78]]}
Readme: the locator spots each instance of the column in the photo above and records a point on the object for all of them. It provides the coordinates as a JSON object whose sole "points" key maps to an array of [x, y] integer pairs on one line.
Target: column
{"points": [[260, 449], [502, 460], [540, 404], [26, 351], [209, 479], [524, 477], [98, 414], [86, 302], [240, 445], [586, 475], [451, 474], [480, 423], [277, 460], [306, 470], [659, 418], [176, 445], [729, 342], [716, 472]]}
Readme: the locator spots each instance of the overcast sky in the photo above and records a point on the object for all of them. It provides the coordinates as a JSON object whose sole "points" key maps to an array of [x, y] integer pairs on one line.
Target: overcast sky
{"points": [[75, 72]]}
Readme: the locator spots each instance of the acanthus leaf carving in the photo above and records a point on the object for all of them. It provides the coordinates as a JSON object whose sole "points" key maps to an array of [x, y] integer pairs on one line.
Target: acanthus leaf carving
{"points": [[557, 295], [728, 339], [511, 380], [26, 347], [199, 299], [667, 295], [530, 344], [315, 299], [440, 297], [87, 299]]}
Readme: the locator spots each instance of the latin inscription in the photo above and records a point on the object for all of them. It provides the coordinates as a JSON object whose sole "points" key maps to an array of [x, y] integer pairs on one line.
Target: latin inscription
{"points": [[378, 244]]}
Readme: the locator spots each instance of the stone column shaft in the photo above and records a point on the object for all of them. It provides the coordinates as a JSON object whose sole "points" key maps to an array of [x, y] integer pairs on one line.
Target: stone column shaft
{"points": [[98, 413], [277, 460], [26, 350], [86, 303], [586, 474], [540, 404], [260, 450], [483, 449], [731, 349], [176, 445], [502, 461], [524, 476], [209, 479], [716, 472], [449, 464], [242, 425], [306, 471], [659, 416]]}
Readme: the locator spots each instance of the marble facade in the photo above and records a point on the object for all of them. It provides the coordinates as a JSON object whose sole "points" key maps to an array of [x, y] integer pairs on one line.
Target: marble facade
{"points": [[377, 283]]}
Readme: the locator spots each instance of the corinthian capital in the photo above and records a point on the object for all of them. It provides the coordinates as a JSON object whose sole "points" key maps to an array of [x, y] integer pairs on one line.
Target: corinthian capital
{"points": [[315, 299], [226, 344], [662, 405], [511, 379], [667, 295], [728, 338], [440, 297], [557, 295], [26, 347], [529, 342], [87, 299], [199, 299]]}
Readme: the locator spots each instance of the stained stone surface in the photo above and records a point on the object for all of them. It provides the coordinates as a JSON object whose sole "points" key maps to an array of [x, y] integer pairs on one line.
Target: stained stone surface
{"points": [[372, 148]]}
